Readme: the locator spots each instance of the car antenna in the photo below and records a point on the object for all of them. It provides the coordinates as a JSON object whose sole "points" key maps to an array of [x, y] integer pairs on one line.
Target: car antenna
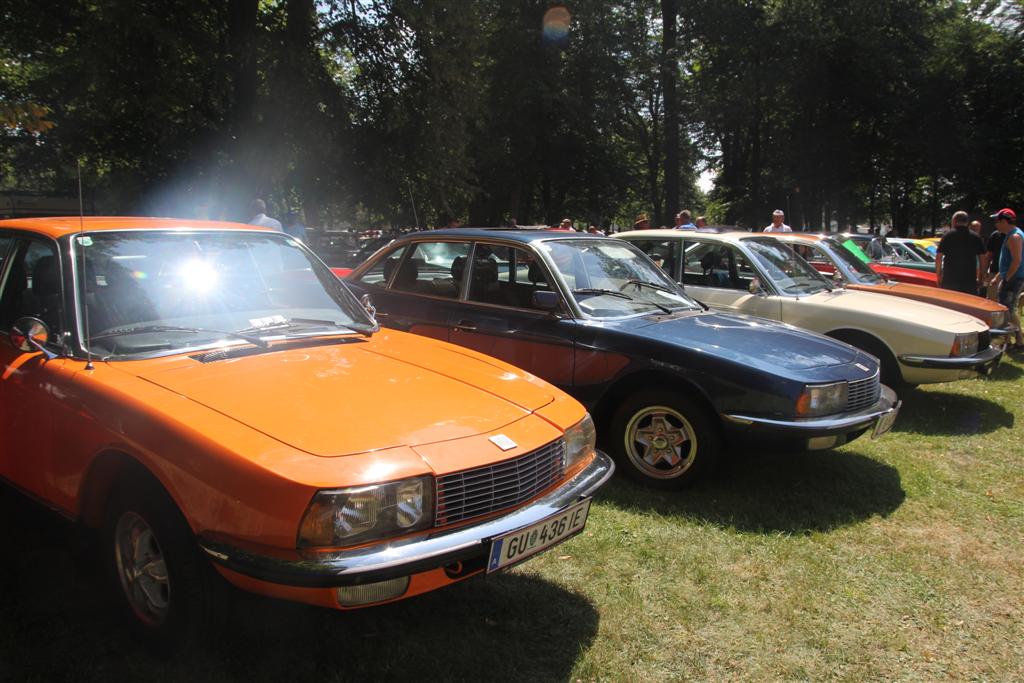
{"points": [[81, 244]]}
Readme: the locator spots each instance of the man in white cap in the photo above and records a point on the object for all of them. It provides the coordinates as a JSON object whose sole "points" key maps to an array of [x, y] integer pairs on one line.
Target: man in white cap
{"points": [[777, 224]]}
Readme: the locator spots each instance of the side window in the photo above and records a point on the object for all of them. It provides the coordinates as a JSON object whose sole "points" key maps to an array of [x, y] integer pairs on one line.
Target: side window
{"points": [[33, 287], [813, 254], [717, 265], [381, 271], [664, 253], [506, 276], [433, 268]]}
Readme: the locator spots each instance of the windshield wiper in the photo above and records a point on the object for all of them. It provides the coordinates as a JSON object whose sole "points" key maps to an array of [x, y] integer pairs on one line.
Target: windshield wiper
{"points": [[291, 323], [652, 285], [609, 292], [621, 295], [146, 329]]}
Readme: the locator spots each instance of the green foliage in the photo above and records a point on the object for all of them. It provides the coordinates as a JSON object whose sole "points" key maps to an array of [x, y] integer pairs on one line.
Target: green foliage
{"points": [[403, 111]]}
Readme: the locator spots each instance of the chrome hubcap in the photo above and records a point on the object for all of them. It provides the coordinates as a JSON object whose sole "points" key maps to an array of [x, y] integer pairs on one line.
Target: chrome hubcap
{"points": [[660, 442], [141, 568]]}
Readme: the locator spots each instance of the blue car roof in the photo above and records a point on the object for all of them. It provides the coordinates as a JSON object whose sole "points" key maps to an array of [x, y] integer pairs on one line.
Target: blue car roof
{"points": [[524, 236]]}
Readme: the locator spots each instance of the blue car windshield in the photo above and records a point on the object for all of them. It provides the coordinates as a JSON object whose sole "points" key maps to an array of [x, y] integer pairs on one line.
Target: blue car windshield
{"points": [[610, 278], [151, 292]]}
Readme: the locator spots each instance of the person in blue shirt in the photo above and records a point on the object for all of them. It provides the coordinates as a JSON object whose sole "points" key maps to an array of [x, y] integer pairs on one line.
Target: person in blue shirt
{"points": [[684, 221], [294, 226], [1011, 270]]}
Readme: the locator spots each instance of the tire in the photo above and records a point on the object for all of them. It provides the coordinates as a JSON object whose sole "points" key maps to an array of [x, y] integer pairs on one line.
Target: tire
{"points": [[666, 416], [171, 596]]}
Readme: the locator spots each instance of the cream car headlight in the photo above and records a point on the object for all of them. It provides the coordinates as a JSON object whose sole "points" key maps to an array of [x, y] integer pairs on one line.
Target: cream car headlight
{"points": [[997, 320], [344, 517], [964, 344], [580, 442], [822, 399]]}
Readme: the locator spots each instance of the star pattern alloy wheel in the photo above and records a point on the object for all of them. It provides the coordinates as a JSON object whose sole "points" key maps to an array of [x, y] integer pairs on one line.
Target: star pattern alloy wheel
{"points": [[661, 442]]}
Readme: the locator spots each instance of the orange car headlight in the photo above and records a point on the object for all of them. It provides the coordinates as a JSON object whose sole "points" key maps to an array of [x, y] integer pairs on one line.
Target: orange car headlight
{"points": [[350, 516], [580, 441]]}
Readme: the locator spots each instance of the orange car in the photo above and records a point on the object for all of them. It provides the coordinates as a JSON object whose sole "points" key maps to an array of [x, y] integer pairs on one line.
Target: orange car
{"points": [[209, 394], [828, 257]]}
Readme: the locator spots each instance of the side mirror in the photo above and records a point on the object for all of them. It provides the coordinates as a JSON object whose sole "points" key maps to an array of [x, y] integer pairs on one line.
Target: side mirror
{"points": [[367, 303], [837, 278], [756, 288], [31, 334], [546, 301]]}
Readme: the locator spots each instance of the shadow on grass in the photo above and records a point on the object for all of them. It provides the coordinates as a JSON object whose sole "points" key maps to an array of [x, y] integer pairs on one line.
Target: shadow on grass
{"points": [[1007, 372], [770, 493], [57, 625], [938, 413]]}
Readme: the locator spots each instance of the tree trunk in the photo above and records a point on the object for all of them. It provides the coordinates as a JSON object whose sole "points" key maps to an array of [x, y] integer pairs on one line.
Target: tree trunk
{"points": [[669, 68]]}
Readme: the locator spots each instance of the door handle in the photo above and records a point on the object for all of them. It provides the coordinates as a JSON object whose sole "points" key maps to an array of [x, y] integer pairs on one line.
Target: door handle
{"points": [[465, 326]]}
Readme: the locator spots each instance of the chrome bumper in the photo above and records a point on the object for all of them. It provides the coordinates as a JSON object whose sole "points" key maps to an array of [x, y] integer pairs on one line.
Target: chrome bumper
{"points": [[809, 427], [984, 361], [407, 556]]}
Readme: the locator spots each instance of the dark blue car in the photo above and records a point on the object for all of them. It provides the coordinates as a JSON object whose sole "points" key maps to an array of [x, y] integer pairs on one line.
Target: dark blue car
{"points": [[668, 382]]}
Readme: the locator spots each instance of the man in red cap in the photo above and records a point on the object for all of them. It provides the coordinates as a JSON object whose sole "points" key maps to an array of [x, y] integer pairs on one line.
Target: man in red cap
{"points": [[1011, 270]]}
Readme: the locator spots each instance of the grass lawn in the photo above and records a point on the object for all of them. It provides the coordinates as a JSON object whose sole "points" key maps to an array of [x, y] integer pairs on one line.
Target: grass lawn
{"points": [[900, 559]]}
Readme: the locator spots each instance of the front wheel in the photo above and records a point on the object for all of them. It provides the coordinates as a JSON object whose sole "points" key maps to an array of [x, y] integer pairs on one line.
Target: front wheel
{"points": [[170, 594], [663, 439]]}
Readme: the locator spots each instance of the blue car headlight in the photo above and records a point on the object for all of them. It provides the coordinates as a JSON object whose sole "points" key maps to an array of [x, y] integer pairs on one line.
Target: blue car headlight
{"points": [[822, 399]]}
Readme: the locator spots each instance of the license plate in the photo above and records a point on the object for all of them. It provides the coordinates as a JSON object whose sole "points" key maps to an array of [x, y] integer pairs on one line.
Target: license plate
{"points": [[886, 422], [518, 545]]}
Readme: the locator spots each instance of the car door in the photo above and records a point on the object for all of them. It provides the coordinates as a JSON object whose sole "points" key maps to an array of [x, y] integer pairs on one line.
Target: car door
{"points": [[30, 385], [498, 316], [415, 286], [719, 274]]}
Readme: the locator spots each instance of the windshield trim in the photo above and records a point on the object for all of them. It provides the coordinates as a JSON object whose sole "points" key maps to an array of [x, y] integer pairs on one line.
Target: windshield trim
{"points": [[80, 349]]}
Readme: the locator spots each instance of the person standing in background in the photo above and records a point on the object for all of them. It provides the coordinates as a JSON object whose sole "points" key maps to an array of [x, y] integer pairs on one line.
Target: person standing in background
{"points": [[777, 224], [296, 226], [258, 211], [684, 221], [958, 263], [990, 259], [1011, 270]]}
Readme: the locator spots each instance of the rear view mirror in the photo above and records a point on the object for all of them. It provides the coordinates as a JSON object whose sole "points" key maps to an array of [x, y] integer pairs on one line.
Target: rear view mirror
{"points": [[546, 301], [31, 334]]}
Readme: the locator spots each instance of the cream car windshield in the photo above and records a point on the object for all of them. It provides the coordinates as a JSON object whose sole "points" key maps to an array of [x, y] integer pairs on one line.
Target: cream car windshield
{"points": [[611, 278], [149, 292], [787, 271], [863, 272]]}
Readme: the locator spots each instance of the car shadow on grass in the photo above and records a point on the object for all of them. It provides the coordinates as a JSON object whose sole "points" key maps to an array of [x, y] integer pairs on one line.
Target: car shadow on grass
{"points": [[772, 493], [58, 625], [1006, 372], [938, 413]]}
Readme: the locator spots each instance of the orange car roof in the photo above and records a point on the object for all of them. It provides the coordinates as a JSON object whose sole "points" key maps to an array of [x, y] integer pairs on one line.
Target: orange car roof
{"points": [[62, 225]]}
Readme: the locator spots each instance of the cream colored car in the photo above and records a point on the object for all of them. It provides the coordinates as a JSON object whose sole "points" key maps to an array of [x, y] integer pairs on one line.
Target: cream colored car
{"points": [[917, 343]]}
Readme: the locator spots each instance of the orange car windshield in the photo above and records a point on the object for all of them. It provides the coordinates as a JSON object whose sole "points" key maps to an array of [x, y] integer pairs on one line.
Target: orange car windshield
{"points": [[150, 292]]}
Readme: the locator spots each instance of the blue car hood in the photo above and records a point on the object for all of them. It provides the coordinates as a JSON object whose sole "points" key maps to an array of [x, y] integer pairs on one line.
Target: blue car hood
{"points": [[748, 340]]}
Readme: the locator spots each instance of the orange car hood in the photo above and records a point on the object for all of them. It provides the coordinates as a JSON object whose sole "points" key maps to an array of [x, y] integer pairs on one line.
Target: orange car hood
{"points": [[977, 306], [359, 395]]}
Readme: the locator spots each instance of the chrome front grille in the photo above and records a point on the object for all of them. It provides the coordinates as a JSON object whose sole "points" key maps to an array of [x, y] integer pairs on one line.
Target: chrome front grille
{"points": [[492, 488], [863, 393]]}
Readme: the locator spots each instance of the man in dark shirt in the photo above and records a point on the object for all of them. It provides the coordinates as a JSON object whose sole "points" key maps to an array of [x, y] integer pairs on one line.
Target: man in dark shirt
{"points": [[957, 265], [992, 248]]}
